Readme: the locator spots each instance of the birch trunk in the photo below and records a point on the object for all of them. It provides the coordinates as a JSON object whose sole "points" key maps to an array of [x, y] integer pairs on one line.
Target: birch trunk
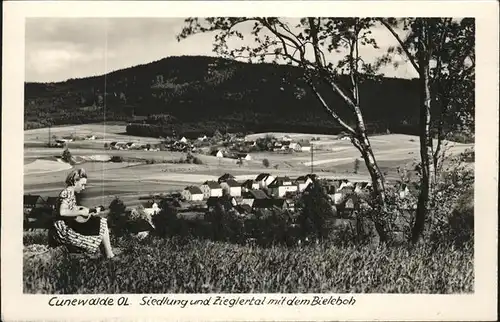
{"points": [[426, 148]]}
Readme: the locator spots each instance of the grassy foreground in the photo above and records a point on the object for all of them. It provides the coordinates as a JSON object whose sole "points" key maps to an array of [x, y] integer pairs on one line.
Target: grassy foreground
{"points": [[173, 265]]}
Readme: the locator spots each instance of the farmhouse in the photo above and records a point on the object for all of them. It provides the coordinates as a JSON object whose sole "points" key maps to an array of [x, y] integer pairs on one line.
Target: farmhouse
{"points": [[280, 186], [302, 182], [90, 137], [244, 156], [225, 177], [183, 140], [211, 189], [232, 186], [264, 179], [192, 193]]}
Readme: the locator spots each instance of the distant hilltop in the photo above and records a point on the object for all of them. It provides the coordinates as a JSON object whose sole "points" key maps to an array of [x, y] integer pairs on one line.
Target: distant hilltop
{"points": [[214, 93]]}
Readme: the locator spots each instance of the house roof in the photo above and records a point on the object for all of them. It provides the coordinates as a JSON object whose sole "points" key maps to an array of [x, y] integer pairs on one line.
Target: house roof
{"points": [[268, 203], [225, 177], [255, 194], [223, 201], [32, 199], [52, 200], [262, 176], [248, 183], [279, 181], [194, 190], [233, 183], [212, 184]]}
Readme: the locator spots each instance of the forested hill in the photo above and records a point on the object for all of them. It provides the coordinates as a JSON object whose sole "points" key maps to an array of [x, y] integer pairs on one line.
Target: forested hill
{"points": [[205, 93]]}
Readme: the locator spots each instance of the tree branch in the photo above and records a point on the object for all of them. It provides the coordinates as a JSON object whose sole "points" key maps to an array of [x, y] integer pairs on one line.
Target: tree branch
{"points": [[401, 43], [325, 105]]}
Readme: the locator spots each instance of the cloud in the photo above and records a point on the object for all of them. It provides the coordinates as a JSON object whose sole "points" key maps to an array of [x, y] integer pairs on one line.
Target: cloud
{"points": [[62, 48]]}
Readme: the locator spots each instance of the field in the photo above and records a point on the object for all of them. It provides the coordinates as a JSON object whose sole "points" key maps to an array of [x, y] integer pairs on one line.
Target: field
{"points": [[331, 159]]}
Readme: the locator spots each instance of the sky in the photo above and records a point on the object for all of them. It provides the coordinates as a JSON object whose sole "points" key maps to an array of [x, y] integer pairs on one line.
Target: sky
{"points": [[58, 49]]}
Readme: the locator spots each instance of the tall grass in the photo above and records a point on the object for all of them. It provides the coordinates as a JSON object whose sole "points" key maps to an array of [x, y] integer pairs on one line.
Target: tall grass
{"points": [[175, 265]]}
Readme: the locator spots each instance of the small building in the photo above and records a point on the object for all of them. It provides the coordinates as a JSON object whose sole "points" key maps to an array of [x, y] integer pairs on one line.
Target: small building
{"points": [[130, 145], [225, 177], [305, 147], [302, 182], [232, 186], [33, 201], [183, 140], [264, 180], [249, 185], [270, 204], [192, 193], [202, 138], [211, 189], [295, 146], [225, 202], [280, 186], [90, 137], [151, 207]]}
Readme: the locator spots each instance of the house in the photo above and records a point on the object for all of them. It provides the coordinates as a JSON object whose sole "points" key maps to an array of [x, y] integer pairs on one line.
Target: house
{"points": [[280, 186], [250, 143], [305, 147], [90, 137], [52, 202], [192, 193], [226, 203], [232, 186], [33, 201], [219, 154], [302, 182], [248, 197], [286, 138], [113, 144], [264, 179], [348, 206], [151, 207], [246, 156], [225, 177], [249, 185], [295, 146], [360, 187], [211, 189], [202, 138], [183, 140], [60, 143], [270, 204], [130, 145]]}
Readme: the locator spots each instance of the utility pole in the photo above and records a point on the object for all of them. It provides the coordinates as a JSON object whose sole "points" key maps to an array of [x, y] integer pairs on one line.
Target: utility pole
{"points": [[49, 135], [312, 159]]}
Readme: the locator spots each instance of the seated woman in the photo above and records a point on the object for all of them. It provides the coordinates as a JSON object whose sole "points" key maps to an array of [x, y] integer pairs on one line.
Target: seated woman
{"points": [[85, 236]]}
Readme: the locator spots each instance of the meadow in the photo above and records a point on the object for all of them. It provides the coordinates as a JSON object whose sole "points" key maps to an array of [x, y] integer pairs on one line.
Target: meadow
{"points": [[176, 265]]}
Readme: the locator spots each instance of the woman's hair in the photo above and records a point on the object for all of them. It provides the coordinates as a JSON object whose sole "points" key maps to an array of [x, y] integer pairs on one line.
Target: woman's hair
{"points": [[74, 176]]}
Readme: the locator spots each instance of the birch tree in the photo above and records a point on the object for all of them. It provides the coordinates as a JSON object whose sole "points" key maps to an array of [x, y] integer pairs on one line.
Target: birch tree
{"points": [[306, 44], [442, 52]]}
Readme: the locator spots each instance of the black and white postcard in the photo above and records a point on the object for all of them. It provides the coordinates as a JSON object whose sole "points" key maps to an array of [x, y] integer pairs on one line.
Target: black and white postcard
{"points": [[287, 160]]}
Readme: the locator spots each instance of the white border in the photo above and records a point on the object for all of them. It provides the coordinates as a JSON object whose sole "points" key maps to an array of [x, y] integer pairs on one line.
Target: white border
{"points": [[479, 306]]}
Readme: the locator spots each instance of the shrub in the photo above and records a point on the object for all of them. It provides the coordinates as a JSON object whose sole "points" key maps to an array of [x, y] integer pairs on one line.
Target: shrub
{"points": [[356, 165], [66, 156], [106, 146], [117, 218], [266, 163], [116, 158]]}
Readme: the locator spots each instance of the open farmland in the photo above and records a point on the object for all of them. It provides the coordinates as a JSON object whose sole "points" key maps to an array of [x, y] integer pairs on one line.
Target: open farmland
{"points": [[332, 159]]}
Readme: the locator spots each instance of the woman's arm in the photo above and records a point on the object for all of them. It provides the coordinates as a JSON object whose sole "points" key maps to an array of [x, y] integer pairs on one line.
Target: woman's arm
{"points": [[65, 211]]}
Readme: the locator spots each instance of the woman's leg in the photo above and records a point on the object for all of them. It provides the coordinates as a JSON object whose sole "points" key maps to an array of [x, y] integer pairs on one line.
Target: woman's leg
{"points": [[108, 251]]}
